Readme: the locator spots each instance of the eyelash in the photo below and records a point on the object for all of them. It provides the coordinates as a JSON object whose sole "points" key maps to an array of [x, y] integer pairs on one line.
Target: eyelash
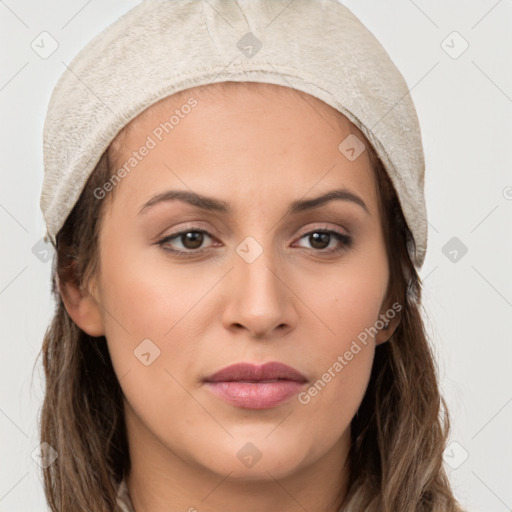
{"points": [[345, 240]]}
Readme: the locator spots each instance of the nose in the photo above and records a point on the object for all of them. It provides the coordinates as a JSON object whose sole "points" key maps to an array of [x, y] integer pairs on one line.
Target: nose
{"points": [[259, 298]]}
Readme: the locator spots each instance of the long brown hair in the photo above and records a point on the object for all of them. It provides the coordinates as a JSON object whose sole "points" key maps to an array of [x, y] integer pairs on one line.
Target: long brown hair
{"points": [[401, 427], [398, 434]]}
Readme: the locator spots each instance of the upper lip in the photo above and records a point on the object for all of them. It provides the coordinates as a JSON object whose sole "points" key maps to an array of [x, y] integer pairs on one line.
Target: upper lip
{"points": [[252, 372]]}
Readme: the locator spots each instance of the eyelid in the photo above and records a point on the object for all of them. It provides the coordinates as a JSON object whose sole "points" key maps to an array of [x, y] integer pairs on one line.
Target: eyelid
{"points": [[181, 232], [324, 227]]}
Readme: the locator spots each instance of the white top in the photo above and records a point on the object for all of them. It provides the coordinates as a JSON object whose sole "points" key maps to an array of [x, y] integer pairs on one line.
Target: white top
{"points": [[123, 498]]}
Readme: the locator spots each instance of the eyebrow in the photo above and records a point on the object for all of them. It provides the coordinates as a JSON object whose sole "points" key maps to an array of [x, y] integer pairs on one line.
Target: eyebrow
{"points": [[219, 206]]}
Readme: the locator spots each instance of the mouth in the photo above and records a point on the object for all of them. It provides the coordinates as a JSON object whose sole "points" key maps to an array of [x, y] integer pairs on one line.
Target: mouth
{"points": [[249, 386], [247, 372]]}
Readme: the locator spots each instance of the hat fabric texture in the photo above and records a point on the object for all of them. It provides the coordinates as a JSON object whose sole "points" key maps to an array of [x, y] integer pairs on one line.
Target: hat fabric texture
{"points": [[161, 47]]}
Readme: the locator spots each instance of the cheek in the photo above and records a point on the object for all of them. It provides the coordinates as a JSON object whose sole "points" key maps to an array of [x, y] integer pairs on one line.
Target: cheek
{"points": [[346, 300], [346, 303], [148, 332], [144, 295], [143, 307]]}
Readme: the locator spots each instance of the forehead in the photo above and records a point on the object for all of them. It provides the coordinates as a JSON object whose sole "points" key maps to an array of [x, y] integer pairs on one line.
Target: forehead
{"points": [[243, 135], [244, 96]]}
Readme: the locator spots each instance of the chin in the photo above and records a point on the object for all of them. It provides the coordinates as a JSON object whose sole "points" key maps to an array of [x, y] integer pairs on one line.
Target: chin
{"points": [[261, 459], [263, 470]]}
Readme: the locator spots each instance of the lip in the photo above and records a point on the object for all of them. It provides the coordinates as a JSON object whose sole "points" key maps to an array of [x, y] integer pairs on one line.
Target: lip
{"points": [[252, 386], [252, 372]]}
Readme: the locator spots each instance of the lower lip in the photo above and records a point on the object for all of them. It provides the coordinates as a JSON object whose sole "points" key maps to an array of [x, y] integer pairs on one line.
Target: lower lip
{"points": [[255, 395]]}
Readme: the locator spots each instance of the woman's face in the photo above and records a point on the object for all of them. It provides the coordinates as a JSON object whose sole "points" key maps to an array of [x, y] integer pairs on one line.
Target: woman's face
{"points": [[265, 274]]}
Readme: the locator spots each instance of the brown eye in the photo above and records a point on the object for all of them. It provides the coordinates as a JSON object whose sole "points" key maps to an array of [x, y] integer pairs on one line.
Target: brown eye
{"points": [[192, 239], [320, 240], [187, 242]]}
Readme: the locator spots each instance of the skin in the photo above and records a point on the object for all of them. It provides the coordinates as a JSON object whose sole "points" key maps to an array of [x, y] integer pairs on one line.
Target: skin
{"points": [[258, 149]]}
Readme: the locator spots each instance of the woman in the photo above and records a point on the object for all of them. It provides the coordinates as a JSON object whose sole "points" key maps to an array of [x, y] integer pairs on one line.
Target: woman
{"points": [[238, 322]]}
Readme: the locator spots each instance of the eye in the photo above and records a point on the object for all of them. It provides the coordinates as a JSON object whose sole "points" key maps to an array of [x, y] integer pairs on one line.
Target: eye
{"points": [[322, 239], [188, 241]]}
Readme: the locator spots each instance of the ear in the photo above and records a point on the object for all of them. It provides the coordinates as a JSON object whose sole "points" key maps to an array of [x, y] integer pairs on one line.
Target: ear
{"points": [[390, 314], [82, 306]]}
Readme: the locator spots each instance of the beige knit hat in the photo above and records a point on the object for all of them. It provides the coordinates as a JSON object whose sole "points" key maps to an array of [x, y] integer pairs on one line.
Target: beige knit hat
{"points": [[161, 47]]}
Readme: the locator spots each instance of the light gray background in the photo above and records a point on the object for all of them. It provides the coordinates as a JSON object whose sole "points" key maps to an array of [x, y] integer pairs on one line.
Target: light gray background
{"points": [[465, 110]]}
